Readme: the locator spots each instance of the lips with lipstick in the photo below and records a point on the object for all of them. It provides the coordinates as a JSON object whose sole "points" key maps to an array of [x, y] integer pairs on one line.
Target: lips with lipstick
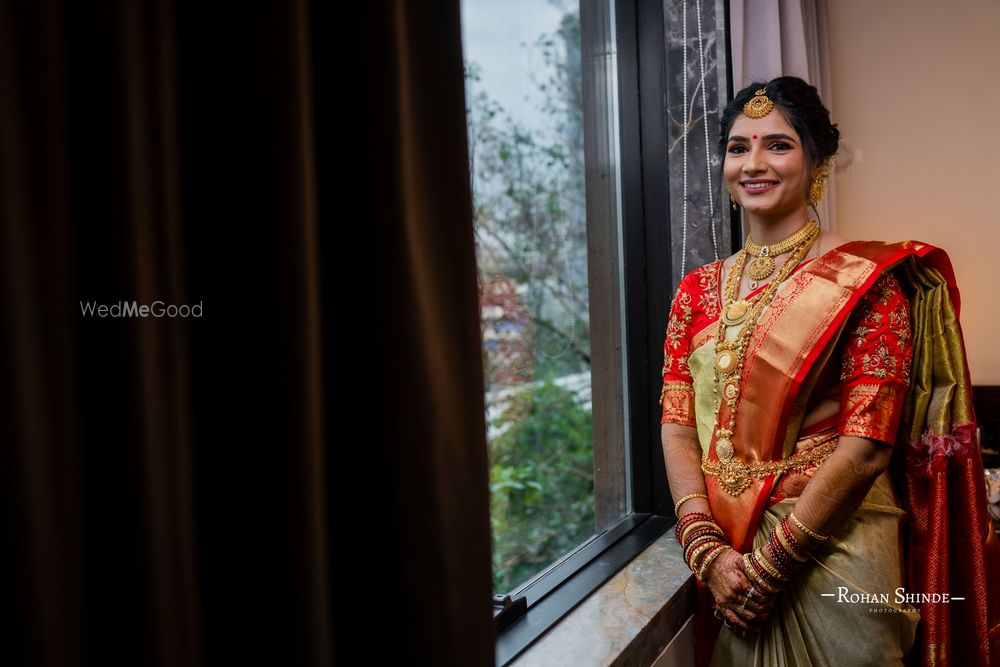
{"points": [[758, 185]]}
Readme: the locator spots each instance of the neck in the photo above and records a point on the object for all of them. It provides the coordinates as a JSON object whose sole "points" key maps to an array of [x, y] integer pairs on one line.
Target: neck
{"points": [[766, 230]]}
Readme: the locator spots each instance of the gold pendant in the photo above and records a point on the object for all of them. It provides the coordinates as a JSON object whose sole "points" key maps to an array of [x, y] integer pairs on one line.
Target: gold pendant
{"points": [[736, 312], [731, 390], [724, 449], [734, 478], [761, 267], [725, 361], [723, 444]]}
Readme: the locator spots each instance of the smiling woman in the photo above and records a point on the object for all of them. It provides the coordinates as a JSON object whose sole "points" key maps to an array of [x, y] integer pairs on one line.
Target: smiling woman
{"points": [[797, 385]]}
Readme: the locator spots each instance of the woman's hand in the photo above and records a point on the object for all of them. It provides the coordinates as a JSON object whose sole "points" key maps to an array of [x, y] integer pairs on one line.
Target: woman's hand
{"points": [[729, 585]]}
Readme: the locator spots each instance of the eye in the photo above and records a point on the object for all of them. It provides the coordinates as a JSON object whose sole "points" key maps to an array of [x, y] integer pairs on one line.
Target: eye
{"points": [[780, 145], [732, 149]]}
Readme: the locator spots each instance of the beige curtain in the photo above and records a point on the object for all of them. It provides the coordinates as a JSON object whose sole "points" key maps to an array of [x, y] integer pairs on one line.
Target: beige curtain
{"points": [[772, 38]]}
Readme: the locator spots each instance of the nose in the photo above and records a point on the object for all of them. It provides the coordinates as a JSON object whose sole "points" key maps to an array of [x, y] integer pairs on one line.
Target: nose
{"points": [[756, 160]]}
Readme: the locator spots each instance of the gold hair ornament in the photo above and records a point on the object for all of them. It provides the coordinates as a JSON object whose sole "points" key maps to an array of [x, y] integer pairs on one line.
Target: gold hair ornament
{"points": [[759, 105]]}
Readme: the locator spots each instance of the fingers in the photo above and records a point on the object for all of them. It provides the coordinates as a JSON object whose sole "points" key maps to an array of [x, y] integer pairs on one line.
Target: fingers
{"points": [[734, 616], [735, 596], [745, 596], [751, 604], [751, 612], [754, 605], [735, 621]]}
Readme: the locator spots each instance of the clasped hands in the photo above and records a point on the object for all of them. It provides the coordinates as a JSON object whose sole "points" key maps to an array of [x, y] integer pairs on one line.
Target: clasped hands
{"points": [[741, 606]]}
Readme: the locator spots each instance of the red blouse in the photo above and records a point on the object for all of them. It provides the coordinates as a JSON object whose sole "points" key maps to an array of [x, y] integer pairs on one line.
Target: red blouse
{"points": [[868, 374]]}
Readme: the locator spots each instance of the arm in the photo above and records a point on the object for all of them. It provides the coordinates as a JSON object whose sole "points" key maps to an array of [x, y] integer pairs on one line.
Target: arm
{"points": [[682, 458], [839, 486]]}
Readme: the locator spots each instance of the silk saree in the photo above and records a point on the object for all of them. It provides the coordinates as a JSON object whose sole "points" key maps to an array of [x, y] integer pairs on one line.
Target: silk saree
{"points": [[874, 326]]}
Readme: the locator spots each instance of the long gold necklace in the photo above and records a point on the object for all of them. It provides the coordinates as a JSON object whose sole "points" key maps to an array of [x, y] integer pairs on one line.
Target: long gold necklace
{"points": [[762, 265], [730, 355]]}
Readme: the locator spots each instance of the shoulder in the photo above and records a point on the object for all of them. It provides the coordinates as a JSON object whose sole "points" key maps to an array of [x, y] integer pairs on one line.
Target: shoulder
{"points": [[697, 295], [886, 290], [702, 273], [701, 280], [884, 304], [890, 252], [830, 240]]}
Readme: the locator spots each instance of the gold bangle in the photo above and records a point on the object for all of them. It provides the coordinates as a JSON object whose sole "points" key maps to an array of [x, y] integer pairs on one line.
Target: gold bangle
{"points": [[811, 533], [758, 555], [707, 560], [792, 553], [697, 525], [755, 577], [697, 552], [686, 498], [696, 546]]}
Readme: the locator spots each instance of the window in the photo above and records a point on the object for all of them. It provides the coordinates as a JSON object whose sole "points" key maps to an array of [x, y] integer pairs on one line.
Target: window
{"points": [[572, 213], [525, 120]]}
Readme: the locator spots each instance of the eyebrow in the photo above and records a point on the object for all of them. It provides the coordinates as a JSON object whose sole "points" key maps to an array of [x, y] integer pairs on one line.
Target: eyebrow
{"points": [[737, 137]]}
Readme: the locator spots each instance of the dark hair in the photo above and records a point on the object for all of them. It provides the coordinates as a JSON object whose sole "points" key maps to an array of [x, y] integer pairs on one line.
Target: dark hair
{"points": [[802, 108]]}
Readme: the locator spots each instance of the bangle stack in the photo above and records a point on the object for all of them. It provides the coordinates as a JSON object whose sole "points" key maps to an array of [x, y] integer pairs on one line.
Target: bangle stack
{"points": [[702, 540], [785, 554]]}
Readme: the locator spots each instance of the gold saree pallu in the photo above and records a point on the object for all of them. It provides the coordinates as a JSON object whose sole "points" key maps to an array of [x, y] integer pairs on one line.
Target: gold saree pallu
{"points": [[735, 476]]}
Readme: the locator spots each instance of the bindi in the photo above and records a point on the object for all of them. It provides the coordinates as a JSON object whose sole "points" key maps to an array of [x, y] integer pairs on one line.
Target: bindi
{"points": [[755, 136]]}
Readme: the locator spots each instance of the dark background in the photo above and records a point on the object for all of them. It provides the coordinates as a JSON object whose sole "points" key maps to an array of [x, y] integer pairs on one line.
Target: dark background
{"points": [[251, 486]]}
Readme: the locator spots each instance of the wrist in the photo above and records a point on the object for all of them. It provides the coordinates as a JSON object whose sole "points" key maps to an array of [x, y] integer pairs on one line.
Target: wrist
{"points": [[814, 537]]}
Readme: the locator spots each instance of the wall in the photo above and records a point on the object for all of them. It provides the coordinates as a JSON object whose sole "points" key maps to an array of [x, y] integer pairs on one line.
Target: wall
{"points": [[915, 98]]}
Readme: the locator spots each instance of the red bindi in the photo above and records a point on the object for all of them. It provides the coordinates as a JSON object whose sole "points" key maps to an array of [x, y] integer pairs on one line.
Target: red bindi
{"points": [[755, 136]]}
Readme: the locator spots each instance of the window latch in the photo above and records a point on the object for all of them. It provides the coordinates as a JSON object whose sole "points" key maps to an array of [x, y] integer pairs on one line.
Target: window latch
{"points": [[507, 610]]}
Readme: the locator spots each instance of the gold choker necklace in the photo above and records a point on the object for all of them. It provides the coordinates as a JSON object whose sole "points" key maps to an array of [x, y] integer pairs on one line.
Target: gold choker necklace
{"points": [[762, 266]]}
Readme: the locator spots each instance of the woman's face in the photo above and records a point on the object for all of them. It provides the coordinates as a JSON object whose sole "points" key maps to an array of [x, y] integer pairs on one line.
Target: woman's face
{"points": [[768, 152]]}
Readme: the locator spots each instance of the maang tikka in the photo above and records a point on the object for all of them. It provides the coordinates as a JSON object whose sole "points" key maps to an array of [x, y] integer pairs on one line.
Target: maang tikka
{"points": [[759, 105]]}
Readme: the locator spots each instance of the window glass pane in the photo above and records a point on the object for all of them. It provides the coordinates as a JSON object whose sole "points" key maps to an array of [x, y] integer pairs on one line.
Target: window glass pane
{"points": [[525, 123]]}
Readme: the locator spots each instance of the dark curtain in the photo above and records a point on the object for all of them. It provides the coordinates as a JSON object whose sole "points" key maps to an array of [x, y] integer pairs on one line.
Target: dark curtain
{"points": [[300, 473]]}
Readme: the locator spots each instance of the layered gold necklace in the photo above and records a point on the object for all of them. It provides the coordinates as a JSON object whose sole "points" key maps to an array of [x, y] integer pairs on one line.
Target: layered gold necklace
{"points": [[762, 266], [730, 355]]}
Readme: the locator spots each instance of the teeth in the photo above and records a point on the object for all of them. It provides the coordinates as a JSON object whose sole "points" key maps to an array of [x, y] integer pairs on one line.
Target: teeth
{"points": [[754, 186]]}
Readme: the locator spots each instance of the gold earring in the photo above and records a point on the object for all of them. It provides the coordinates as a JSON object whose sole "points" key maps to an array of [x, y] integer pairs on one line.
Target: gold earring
{"points": [[732, 201], [817, 189]]}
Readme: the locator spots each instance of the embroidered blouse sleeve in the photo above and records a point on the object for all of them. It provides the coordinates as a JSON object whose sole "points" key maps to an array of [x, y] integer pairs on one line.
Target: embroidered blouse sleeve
{"points": [[875, 363], [677, 395]]}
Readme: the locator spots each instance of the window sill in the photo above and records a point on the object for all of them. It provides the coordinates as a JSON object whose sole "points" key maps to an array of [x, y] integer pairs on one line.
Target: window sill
{"points": [[630, 619]]}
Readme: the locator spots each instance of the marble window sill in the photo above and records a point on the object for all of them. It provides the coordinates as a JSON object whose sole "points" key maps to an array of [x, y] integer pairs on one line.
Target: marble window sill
{"points": [[628, 620]]}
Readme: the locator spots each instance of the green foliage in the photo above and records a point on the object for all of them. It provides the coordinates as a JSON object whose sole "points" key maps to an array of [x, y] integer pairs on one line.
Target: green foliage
{"points": [[541, 483]]}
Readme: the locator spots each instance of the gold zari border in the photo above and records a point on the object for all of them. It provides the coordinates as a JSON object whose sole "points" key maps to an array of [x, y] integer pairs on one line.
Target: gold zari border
{"points": [[677, 399], [735, 476]]}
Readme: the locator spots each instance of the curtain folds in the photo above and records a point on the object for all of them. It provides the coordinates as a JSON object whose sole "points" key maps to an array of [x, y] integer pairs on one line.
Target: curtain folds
{"points": [[301, 472]]}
